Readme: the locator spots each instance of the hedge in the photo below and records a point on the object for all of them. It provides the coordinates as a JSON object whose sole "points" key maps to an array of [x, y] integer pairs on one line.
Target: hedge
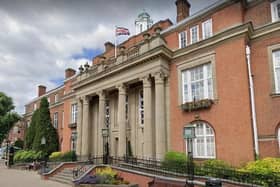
{"points": [[64, 157]]}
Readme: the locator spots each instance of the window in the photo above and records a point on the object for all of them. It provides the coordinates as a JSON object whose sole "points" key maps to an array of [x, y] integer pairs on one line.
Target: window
{"points": [[126, 107], [107, 113], [182, 39], [35, 106], [56, 98], [55, 120], [276, 69], [141, 108], [73, 140], [204, 142], [207, 29], [194, 34], [74, 113], [62, 125], [275, 10], [49, 100], [197, 83]]}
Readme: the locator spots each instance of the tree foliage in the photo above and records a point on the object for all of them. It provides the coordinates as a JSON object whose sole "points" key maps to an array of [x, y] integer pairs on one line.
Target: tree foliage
{"points": [[44, 128], [7, 116], [31, 131]]}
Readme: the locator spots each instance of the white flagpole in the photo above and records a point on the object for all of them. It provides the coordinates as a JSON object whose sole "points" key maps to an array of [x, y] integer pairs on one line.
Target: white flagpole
{"points": [[115, 41]]}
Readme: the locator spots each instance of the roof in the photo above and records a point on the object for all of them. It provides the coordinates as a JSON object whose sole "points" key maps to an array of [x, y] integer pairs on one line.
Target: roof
{"points": [[143, 14], [197, 14]]}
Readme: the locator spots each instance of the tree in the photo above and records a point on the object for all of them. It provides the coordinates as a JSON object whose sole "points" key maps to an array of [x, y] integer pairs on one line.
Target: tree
{"points": [[31, 131], [7, 116], [45, 129], [19, 143]]}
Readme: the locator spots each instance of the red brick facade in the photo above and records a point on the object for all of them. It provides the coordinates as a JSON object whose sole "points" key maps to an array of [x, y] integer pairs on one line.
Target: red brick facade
{"points": [[235, 25]]}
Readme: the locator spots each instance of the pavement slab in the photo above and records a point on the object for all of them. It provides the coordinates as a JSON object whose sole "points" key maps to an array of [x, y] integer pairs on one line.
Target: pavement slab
{"points": [[24, 178]]}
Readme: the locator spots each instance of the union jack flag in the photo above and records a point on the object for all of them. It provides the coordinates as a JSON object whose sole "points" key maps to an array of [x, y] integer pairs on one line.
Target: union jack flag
{"points": [[122, 31]]}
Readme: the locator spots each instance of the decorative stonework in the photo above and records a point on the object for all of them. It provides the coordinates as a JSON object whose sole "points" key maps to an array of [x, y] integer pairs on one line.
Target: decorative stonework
{"points": [[197, 105]]}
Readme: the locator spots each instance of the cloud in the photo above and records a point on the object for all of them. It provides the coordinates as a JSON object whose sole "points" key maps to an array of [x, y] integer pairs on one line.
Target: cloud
{"points": [[40, 39]]}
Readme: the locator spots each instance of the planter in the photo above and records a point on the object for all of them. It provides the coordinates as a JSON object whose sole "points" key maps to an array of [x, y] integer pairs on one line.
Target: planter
{"points": [[197, 105], [107, 185]]}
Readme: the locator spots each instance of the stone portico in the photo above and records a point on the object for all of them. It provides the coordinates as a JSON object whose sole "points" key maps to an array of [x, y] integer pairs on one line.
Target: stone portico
{"points": [[129, 95]]}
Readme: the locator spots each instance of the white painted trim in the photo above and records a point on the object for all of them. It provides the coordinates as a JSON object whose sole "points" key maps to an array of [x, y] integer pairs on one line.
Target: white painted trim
{"points": [[274, 12], [197, 34], [277, 87]]}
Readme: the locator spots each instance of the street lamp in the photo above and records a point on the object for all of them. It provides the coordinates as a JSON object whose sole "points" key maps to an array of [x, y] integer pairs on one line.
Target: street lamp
{"points": [[105, 135], [7, 152], [189, 135], [43, 143]]}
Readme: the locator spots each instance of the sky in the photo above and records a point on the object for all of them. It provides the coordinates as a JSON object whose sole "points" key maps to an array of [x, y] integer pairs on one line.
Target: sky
{"points": [[39, 39]]}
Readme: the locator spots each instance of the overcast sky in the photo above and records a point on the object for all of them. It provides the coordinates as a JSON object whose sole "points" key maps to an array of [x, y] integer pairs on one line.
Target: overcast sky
{"points": [[39, 39]]}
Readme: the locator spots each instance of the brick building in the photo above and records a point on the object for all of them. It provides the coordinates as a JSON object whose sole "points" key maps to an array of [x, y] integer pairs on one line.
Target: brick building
{"points": [[62, 110], [17, 132], [218, 69]]}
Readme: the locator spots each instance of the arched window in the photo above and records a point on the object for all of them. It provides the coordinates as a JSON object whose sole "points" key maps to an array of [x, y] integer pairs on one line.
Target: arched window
{"points": [[204, 142]]}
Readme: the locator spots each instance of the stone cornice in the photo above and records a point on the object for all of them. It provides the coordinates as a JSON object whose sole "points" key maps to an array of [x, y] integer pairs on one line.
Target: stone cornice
{"points": [[217, 38], [265, 30], [160, 51]]}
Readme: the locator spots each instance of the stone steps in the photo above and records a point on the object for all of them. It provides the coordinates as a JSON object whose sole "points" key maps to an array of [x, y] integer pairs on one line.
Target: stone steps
{"points": [[65, 176]]}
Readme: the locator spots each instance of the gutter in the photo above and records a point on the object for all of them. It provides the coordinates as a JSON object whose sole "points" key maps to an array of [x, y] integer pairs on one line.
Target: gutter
{"points": [[252, 100]]}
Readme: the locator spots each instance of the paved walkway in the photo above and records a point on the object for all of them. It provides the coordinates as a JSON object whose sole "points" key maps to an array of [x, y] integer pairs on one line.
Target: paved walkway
{"points": [[22, 178]]}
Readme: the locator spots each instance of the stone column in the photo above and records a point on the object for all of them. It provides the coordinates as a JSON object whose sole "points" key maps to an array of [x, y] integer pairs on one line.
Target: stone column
{"points": [[148, 129], [79, 127], [86, 131], [122, 121], [101, 121], [160, 127]]}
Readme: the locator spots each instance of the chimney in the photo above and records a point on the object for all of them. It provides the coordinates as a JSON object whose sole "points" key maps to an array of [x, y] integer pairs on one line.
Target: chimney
{"points": [[41, 90], [183, 9], [108, 46], [69, 72]]}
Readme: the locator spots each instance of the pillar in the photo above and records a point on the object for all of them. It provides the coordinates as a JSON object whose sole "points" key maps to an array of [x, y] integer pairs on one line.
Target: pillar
{"points": [[160, 127], [79, 127], [86, 131], [122, 121], [101, 122], [148, 129]]}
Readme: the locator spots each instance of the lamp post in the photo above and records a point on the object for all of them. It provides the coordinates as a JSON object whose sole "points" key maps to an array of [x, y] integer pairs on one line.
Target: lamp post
{"points": [[189, 135], [105, 135], [7, 152], [43, 143]]}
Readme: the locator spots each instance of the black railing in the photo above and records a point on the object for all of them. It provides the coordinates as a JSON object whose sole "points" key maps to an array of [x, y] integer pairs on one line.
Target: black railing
{"points": [[158, 167]]}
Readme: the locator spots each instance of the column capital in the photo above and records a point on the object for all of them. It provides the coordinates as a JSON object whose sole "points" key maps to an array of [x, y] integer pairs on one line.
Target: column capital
{"points": [[159, 77], [101, 94], [146, 81], [122, 88], [86, 99]]}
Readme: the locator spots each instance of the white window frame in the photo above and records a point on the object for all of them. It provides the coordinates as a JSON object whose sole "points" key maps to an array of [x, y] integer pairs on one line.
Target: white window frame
{"points": [[205, 29], [275, 16], [204, 137], [186, 75], [74, 113], [182, 40], [55, 120], [56, 98], [141, 108], [197, 34], [277, 87], [62, 125], [35, 106]]}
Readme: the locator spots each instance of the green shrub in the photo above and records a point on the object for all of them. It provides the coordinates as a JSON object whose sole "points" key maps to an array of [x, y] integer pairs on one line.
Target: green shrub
{"points": [[266, 166], [69, 156], [174, 161], [63, 157], [19, 143], [55, 156], [215, 168], [27, 156]]}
